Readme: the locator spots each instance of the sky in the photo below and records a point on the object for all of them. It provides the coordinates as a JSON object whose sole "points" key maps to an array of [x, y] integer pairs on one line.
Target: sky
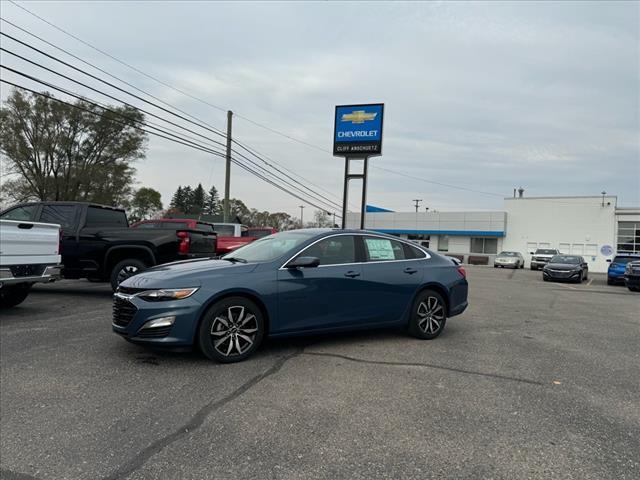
{"points": [[486, 97]]}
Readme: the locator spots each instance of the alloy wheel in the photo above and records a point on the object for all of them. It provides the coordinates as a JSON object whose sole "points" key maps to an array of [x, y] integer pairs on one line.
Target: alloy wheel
{"points": [[430, 315], [127, 272], [234, 332]]}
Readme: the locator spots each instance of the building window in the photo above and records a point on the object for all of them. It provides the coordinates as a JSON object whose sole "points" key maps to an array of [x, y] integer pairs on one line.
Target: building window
{"points": [[484, 245], [443, 243], [628, 237]]}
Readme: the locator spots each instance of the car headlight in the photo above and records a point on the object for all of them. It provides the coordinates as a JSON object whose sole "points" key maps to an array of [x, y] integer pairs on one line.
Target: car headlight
{"points": [[166, 294]]}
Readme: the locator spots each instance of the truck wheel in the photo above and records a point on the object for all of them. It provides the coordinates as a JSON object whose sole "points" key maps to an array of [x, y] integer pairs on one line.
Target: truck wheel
{"points": [[125, 269], [13, 295]]}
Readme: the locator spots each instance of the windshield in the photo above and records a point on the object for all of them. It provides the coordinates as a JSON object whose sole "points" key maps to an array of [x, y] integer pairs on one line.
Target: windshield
{"points": [[624, 260], [507, 254], [546, 251], [568, 259], [258, 233], [269, 248]]}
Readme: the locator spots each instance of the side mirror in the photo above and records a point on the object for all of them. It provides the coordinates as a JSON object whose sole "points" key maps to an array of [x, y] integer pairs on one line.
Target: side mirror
{"points": [[530, 253], [608, 260], [304, 262]]}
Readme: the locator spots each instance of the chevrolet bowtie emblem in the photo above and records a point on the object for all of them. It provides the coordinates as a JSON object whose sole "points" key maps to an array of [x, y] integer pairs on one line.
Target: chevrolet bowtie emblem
{"points": [[358, 116]]}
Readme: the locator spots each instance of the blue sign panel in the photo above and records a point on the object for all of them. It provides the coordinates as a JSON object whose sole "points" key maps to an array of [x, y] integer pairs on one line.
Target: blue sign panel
{"points": [[358, 130]]}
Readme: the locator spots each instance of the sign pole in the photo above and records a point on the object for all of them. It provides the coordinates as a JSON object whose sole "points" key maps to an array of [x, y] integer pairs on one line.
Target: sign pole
{"points": [[345, 192], [363, 207]]}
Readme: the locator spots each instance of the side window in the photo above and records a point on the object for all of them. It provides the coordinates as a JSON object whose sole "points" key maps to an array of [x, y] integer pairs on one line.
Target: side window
{"points": [[333, 250], [63, 215], [382, 249], [25, 213], [411, 252], [97, 217]]}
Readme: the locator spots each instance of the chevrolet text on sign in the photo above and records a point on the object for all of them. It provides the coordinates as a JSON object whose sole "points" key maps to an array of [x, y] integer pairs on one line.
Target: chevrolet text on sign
{"points": [[358, 130]]}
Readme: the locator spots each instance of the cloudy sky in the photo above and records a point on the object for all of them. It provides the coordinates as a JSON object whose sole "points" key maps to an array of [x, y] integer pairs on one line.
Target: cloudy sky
{"points": [[483, 96]]}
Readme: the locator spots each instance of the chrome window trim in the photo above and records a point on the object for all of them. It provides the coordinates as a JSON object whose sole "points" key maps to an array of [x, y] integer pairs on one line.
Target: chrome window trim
{"points": [[401, 240]]}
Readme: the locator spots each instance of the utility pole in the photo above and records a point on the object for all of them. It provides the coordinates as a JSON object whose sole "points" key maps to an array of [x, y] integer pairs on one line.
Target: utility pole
{"points": [[301, 216], [417, 200], [227, 173]]}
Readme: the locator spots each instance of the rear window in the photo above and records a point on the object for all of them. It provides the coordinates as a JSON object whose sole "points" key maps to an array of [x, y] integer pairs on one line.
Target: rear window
{"points": [[224, 230], [204, 227], [100, 217], [625, 260]]}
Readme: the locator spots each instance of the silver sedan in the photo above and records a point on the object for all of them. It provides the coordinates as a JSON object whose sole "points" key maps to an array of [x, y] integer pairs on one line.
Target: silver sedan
{"points": [[509, 260]]}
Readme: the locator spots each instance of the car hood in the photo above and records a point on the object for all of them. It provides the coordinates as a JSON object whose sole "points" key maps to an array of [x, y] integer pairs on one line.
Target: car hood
{"points": [[562, 266], [187, 273]]}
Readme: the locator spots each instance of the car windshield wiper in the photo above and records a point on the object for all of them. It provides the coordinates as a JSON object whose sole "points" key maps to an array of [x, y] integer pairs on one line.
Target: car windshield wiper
{"points": [[234, 259]]}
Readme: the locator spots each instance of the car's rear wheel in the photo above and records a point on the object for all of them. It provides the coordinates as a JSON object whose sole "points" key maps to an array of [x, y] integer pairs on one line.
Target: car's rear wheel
{"points": [[610, 281], [231, 330], [13, 295], [534, 268], [634, 289], [428, 315]]}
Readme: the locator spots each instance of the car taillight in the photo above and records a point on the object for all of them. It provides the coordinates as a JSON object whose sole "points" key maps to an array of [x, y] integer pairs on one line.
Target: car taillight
{"points": [[183, 247], [60, 242], [462, 272]]}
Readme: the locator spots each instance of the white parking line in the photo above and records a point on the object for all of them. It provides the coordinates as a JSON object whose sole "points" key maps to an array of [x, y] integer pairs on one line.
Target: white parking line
{"points": [[589, 282]]}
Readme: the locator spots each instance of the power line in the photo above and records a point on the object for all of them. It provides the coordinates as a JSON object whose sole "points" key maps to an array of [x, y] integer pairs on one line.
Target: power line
{"points": [[161, 82], [177, 139], [319, 197]]}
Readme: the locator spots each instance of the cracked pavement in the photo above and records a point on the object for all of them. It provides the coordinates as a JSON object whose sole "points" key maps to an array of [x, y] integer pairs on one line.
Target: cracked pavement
{"points": [[535, 380]]}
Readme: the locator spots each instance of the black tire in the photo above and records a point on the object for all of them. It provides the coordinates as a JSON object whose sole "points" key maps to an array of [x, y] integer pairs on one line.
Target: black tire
{"points": [[545, 279], [223, 340], [12, 295], [534, 268], [610, 282], [428, 315], [579, 278], [495, 266], [522, 266], [125, 269], [633, 289]]}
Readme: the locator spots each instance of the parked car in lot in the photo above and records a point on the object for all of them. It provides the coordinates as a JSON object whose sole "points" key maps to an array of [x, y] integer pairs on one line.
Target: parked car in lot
{"points": [[29, 253], [291, 283], [616, 270], [542, 256], [632, 276], [566, 267], [509, 259], [98, 244]]}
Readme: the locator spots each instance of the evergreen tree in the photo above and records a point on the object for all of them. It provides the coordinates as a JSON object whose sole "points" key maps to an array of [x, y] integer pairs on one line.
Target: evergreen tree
{"points": [[213, 206], [198, 199], [177, 201], [187, 199]]}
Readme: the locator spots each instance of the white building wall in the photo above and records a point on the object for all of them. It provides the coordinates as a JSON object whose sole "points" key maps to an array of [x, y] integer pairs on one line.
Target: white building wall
{"points": [[576, 225]]}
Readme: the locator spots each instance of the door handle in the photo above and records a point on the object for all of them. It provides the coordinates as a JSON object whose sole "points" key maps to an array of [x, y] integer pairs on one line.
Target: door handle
{"points": [[352, 274], [410, 270]]}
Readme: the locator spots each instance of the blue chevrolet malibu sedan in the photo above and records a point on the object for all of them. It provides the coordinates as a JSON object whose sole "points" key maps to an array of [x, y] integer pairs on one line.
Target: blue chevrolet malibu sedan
{"points": [[298, 282]]}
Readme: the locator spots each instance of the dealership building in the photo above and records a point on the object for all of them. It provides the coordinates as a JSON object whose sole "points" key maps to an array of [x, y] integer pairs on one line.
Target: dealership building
{"points": [[594, 227]]}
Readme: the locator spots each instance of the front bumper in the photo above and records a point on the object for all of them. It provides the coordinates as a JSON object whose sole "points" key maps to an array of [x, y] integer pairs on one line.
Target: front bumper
{"points": [[504, 263], [37, 274], [131, 314], [561, 274], [539, 263]]}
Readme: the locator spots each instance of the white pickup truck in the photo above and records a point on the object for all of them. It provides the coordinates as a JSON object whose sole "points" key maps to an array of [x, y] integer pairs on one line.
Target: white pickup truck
{"points": [[29, 253]]}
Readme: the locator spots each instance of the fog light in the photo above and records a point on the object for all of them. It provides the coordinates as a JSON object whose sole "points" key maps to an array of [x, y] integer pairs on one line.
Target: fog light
{"points": [[159, 323]]}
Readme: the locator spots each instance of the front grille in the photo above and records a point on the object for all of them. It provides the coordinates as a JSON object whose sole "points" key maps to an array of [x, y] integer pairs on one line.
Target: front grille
{"points": [[561, 273], [123, 311], [154, 332], [131, 291], [27, 270]]}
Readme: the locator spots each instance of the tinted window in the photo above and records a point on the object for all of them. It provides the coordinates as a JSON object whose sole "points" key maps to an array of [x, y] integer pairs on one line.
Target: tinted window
{"points": [[203, 226], [97, 216], [484, 245], [333, 250], [412, 252], [624, 260], [546, 251], [165, 225], [20, 213], [568, 259], [382, 249], [63, 215]]}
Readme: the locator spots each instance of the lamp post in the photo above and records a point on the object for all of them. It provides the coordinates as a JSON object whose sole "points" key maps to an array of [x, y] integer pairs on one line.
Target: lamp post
{"points": [[301, 216]]}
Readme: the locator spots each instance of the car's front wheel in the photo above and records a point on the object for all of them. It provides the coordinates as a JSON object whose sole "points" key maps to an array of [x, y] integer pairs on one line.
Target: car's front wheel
{"points": [[231, 330], [428, 315]]}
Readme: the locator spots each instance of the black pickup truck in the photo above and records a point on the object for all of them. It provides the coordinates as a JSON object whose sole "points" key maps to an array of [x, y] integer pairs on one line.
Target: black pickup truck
{"points": [[97, 243]]}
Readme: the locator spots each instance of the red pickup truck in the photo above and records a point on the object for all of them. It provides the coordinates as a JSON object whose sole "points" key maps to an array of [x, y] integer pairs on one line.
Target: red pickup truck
{"points": [[233, 235]]}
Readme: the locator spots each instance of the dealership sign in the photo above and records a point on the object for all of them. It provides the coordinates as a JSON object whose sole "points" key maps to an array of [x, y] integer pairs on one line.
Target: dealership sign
{"points": [[358, 130]]}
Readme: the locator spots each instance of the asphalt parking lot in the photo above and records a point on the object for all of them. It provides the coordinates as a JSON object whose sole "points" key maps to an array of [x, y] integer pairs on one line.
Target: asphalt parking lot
{"points": [[535, 380]]}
